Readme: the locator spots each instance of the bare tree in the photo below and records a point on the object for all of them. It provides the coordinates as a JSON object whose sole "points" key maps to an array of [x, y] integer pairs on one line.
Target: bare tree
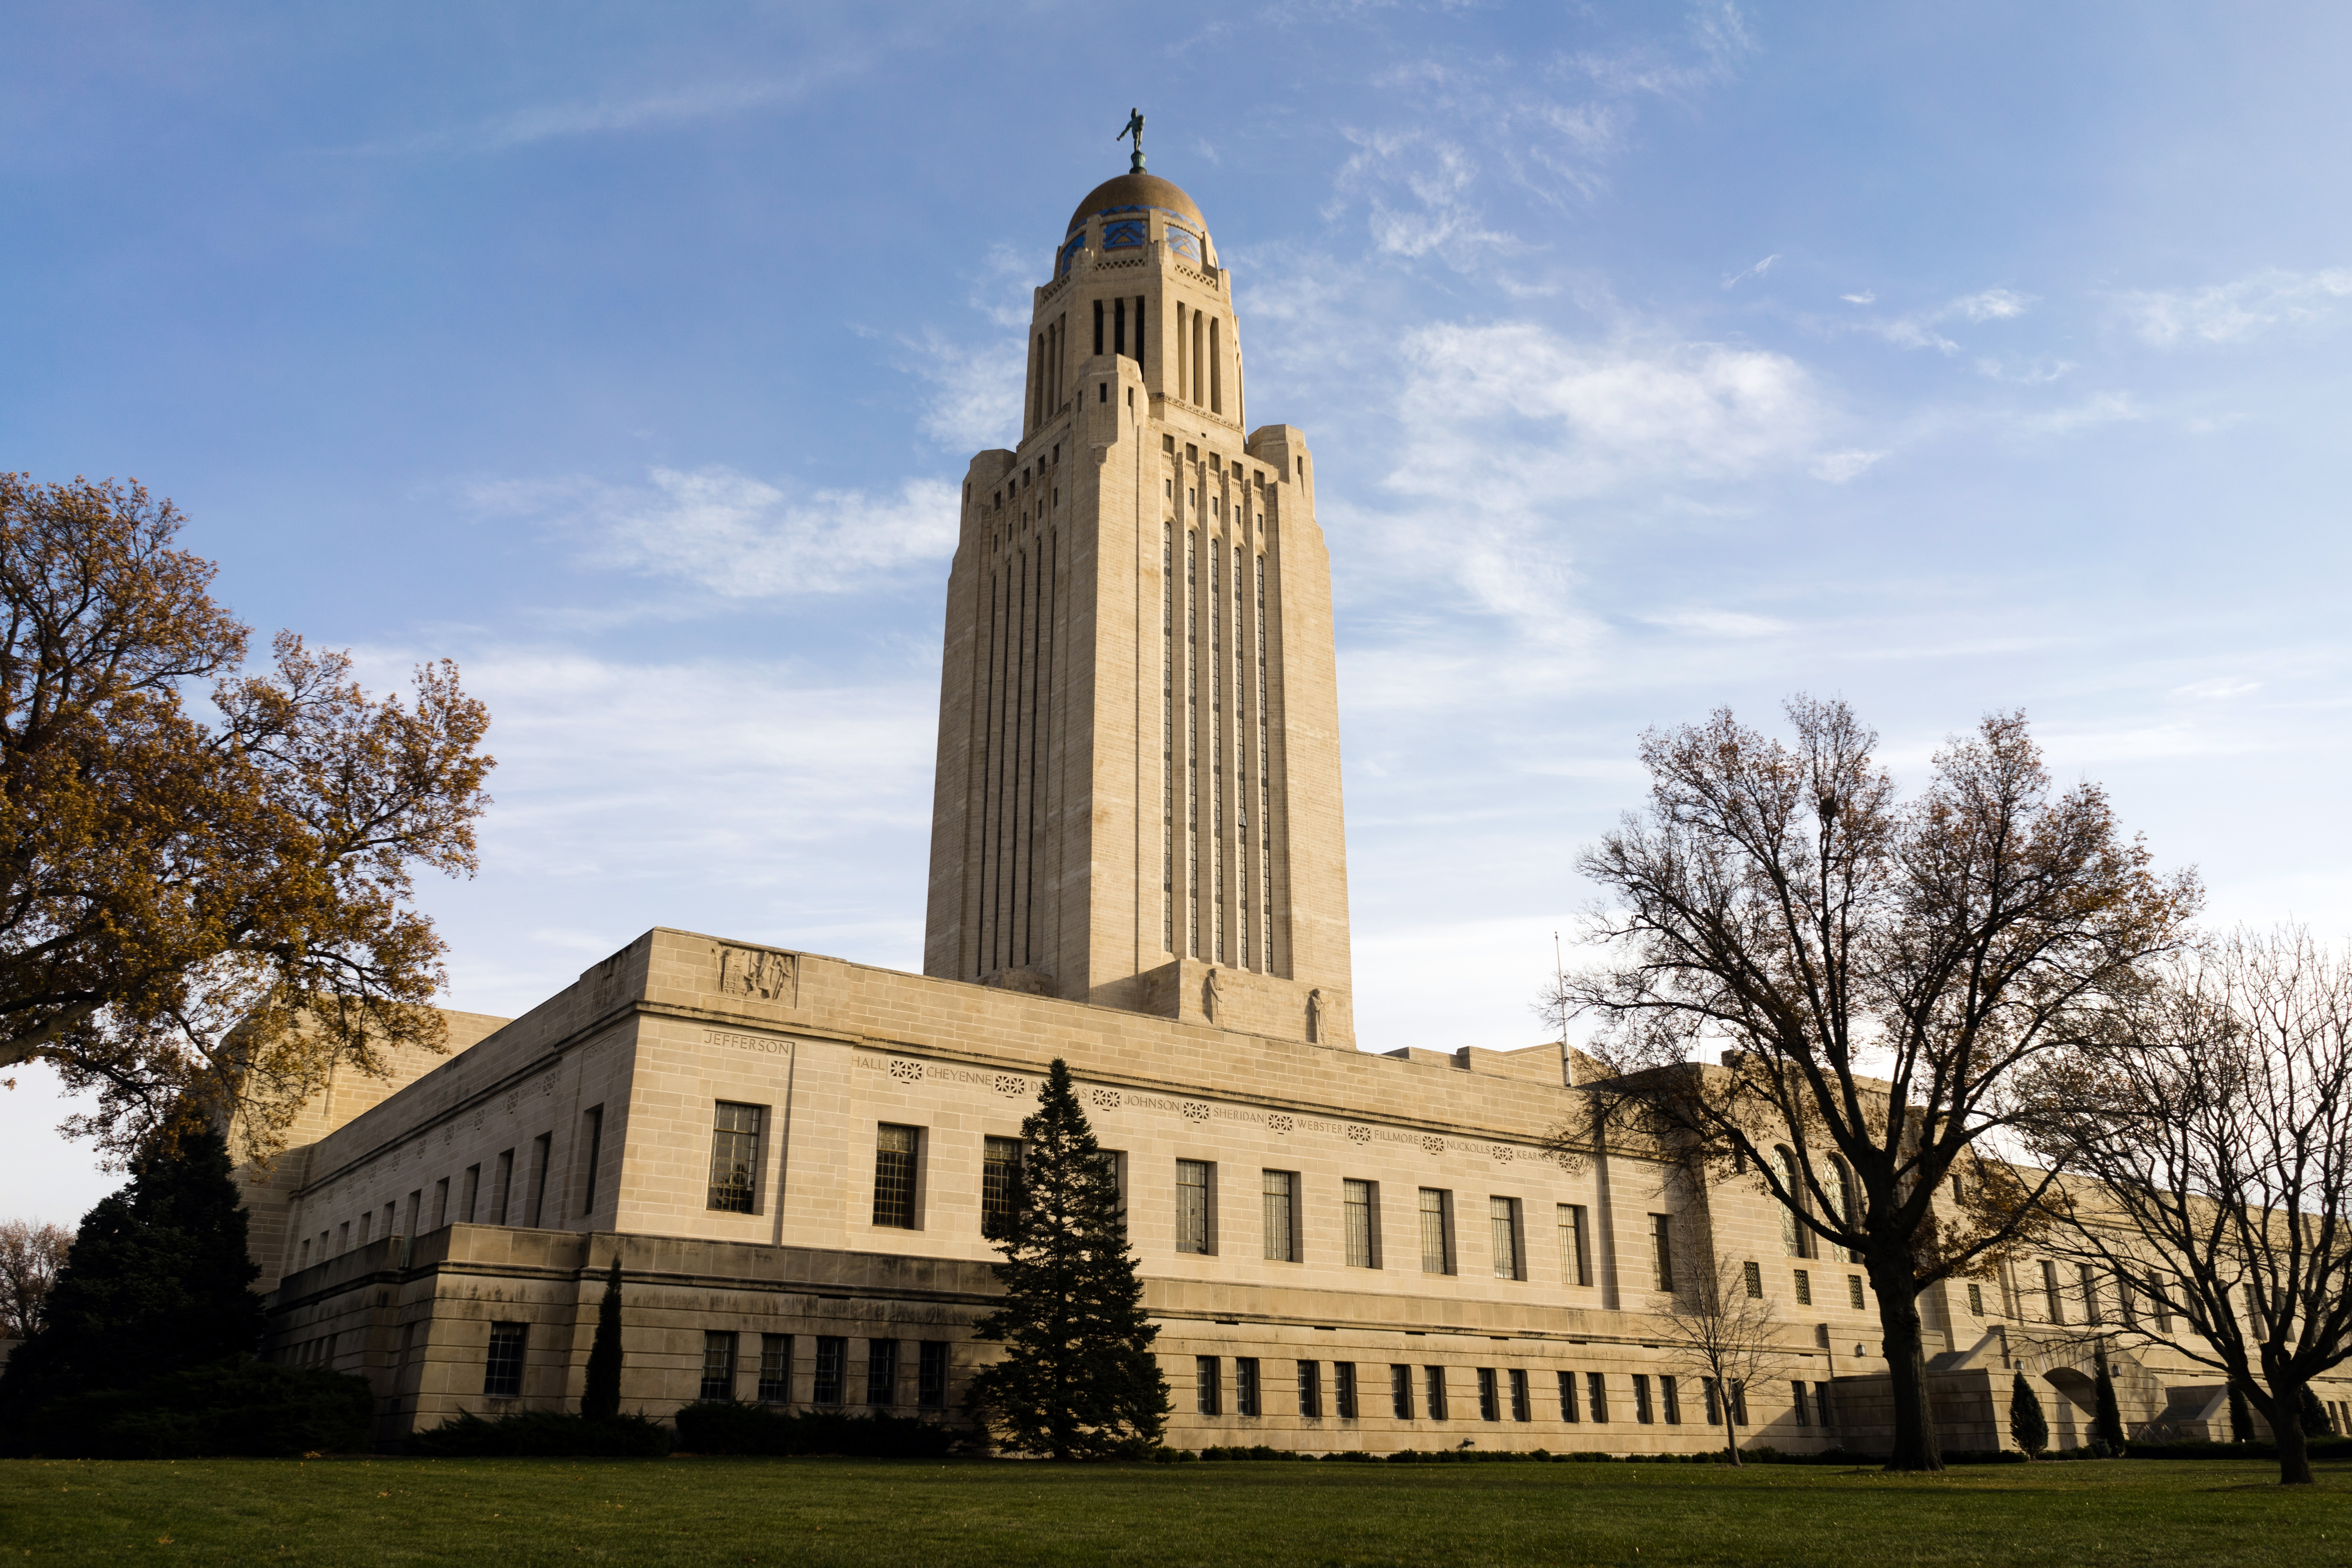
{"points": [[2214, 1169], [1882, 973], [1720, 1331], [31, 1253]]}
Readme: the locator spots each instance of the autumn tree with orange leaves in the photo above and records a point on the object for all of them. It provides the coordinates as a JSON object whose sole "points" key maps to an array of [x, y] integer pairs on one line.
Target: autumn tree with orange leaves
{"points": [[202, 915]]}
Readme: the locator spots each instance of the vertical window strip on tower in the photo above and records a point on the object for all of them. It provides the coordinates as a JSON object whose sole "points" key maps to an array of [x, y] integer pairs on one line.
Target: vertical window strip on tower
{"points": [[1192, 741], [1242, 949], [1167, 735], [1264, 787], [1217, 748]]}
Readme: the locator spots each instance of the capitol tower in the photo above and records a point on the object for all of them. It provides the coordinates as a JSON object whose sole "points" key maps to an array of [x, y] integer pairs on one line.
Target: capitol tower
{"points": [[1138, 798]]}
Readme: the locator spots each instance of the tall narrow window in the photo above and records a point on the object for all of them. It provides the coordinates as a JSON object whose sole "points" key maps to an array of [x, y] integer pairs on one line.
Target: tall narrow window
{"points": [[1797, 1403], [735, 1158], [1310, 1390], [1343, 1390], [1098, 327], [505, 1186], [595, 1118], [1662, 1253], [2056, 1307], [1643, 1414], [1436, 1254], [2088, 1282], [881, 1372], [1670, 1399], [1976, 1301], [1739, 1401], [1792, 1231], [1490, 1398], [717, 1365], [1246, 1392], [502, 1367], [1568, 1397], [1216, 368], [1522, 1407], [832, 1369], [469, 1192], [415, 1211], [1192, 1233], [541, 1148], [1358, 1201], [1596, 1394], [894, 1176], [931, 1376], [775, 1384], [1400, 1393], [1752, 1276], [441, 1203], [1433, 1391], [1000, 1184], [1804, 1278], [1503, 1221], [1575, 1252], [1208, 1385], [1139, 332], [1118, 326], [1853, 1292], [1280, 1190], [1714, 1409]]}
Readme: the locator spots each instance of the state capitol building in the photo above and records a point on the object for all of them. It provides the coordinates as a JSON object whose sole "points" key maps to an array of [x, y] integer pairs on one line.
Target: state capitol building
{"points": [[1138, 864]]}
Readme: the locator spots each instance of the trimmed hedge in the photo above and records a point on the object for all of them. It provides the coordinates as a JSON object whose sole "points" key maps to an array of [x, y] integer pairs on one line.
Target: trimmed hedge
{"points": [[1763, 1454], [2328, 1447], [236, 1408], [735, 1426], [543, 1433]]}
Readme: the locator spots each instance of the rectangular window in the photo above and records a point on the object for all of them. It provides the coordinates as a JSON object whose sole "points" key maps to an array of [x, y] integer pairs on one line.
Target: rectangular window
{"points": [[1310, 1389], [1246, 1389], [1797, 1402], [1596, 1394], [894, 1176], [367, 1226], [303, 1256], [415, 1211], [1662, 1253], [735, 1158], [1752, 1274], [775, 1368], [1000, 1184], [2089, 1283], [502, 1368], [1400, 1393], [1713, 1407], [2056, 1307], [1434, 1390], [1359, 1202], [1193, 1231], [469, 1192], [2127, 1300], [1575, 1249], [1976, 1301], [595, 1116], [441, 1203], [1490, 1397], [931, 1376], [1568, 1397], [505, 1186], [1804, 1286], [1739, 1402], [343, 1242], [1828, 1410], [1343, 1389], [541, 1150], [1670, 1399], [881, 1372], [1436, 1233], [1642, 1411], [1522, 1407], [1503, 1219], [718, 1366], [832, 1369], [1208, 1385], [1280, 1190], [1853, 1292]]}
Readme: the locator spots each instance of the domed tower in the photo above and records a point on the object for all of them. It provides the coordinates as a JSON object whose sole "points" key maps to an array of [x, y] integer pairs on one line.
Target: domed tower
{"points": [[1137, 801]]}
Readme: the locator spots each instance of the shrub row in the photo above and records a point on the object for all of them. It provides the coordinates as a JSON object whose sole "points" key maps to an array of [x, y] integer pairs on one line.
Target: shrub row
{"points": [[238, 1408], [1761, 1455], [543, 1433], [733, 1426]]}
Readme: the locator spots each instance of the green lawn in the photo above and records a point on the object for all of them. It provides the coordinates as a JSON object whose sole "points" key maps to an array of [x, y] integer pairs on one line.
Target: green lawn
{"points": [[825, 1511]]}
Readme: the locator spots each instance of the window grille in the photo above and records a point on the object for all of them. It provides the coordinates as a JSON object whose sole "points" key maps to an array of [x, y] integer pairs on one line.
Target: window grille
{"points": [[1853, 1292], [1976, 1301], [1804, 1286], [832, 1369], [894, 1176], [1400, 1392], [775, 1368], [1434, 1378], [1567, 1410], [1575, 1254], [1642, 1411], [881, 1372], [1670, 1399], [1357, 1200], [1279, 1189], [1193, 1206], [1490, 1398], [502, 1368], [1245, 1386], [1310, 1389], [931, 1376], [1207, 1391], [1000, 1184], [735, 1158], [1522, 1407], [1504, 1220], [1596, 1394], [1343, 1389], [718, 1366], [1753, 1275], [1436, 1256]]}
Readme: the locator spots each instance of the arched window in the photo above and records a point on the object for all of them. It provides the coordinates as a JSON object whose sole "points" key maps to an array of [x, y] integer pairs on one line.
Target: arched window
{"points": [[1793, 1234]]}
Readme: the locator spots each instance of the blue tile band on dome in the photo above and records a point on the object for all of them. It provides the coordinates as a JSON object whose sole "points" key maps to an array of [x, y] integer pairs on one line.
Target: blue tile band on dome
{"points": [[1181, 243], [1113, 212], [1123, 235], [1069, 255]]}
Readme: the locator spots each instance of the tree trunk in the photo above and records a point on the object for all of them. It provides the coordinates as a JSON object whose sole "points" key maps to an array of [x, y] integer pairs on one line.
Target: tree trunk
{"points": [[2286, 1416], [1730, 1433], [1916, 1447]]}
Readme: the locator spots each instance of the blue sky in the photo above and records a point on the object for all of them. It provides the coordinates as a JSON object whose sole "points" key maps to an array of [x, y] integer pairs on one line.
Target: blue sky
{"points": [[1944, 358]]}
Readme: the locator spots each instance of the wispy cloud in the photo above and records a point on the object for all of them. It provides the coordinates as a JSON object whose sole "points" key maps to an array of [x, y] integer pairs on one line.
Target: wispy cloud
{"points": [[2233, 313], [1756, 272], [1918, 330], [738, 537]]}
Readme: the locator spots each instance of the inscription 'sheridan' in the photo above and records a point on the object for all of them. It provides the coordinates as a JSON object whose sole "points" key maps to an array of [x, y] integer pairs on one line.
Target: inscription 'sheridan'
{"points": [[760, 973]]}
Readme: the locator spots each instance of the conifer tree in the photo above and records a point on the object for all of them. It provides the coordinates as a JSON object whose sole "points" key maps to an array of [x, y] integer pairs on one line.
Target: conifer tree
{"points": [[1078, 1379], [158, 1279], [2027, 1423], [2316, 1423], [601, 1400], [2106, 1416]]}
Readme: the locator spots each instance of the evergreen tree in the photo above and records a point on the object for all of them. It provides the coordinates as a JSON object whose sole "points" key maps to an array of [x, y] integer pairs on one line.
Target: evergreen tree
{"points": [[2316, 1423], [1078, 1379], [158, 1280], [2106, 1416], [2242, 1420], [2027, 1423], [601, 1400]]}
